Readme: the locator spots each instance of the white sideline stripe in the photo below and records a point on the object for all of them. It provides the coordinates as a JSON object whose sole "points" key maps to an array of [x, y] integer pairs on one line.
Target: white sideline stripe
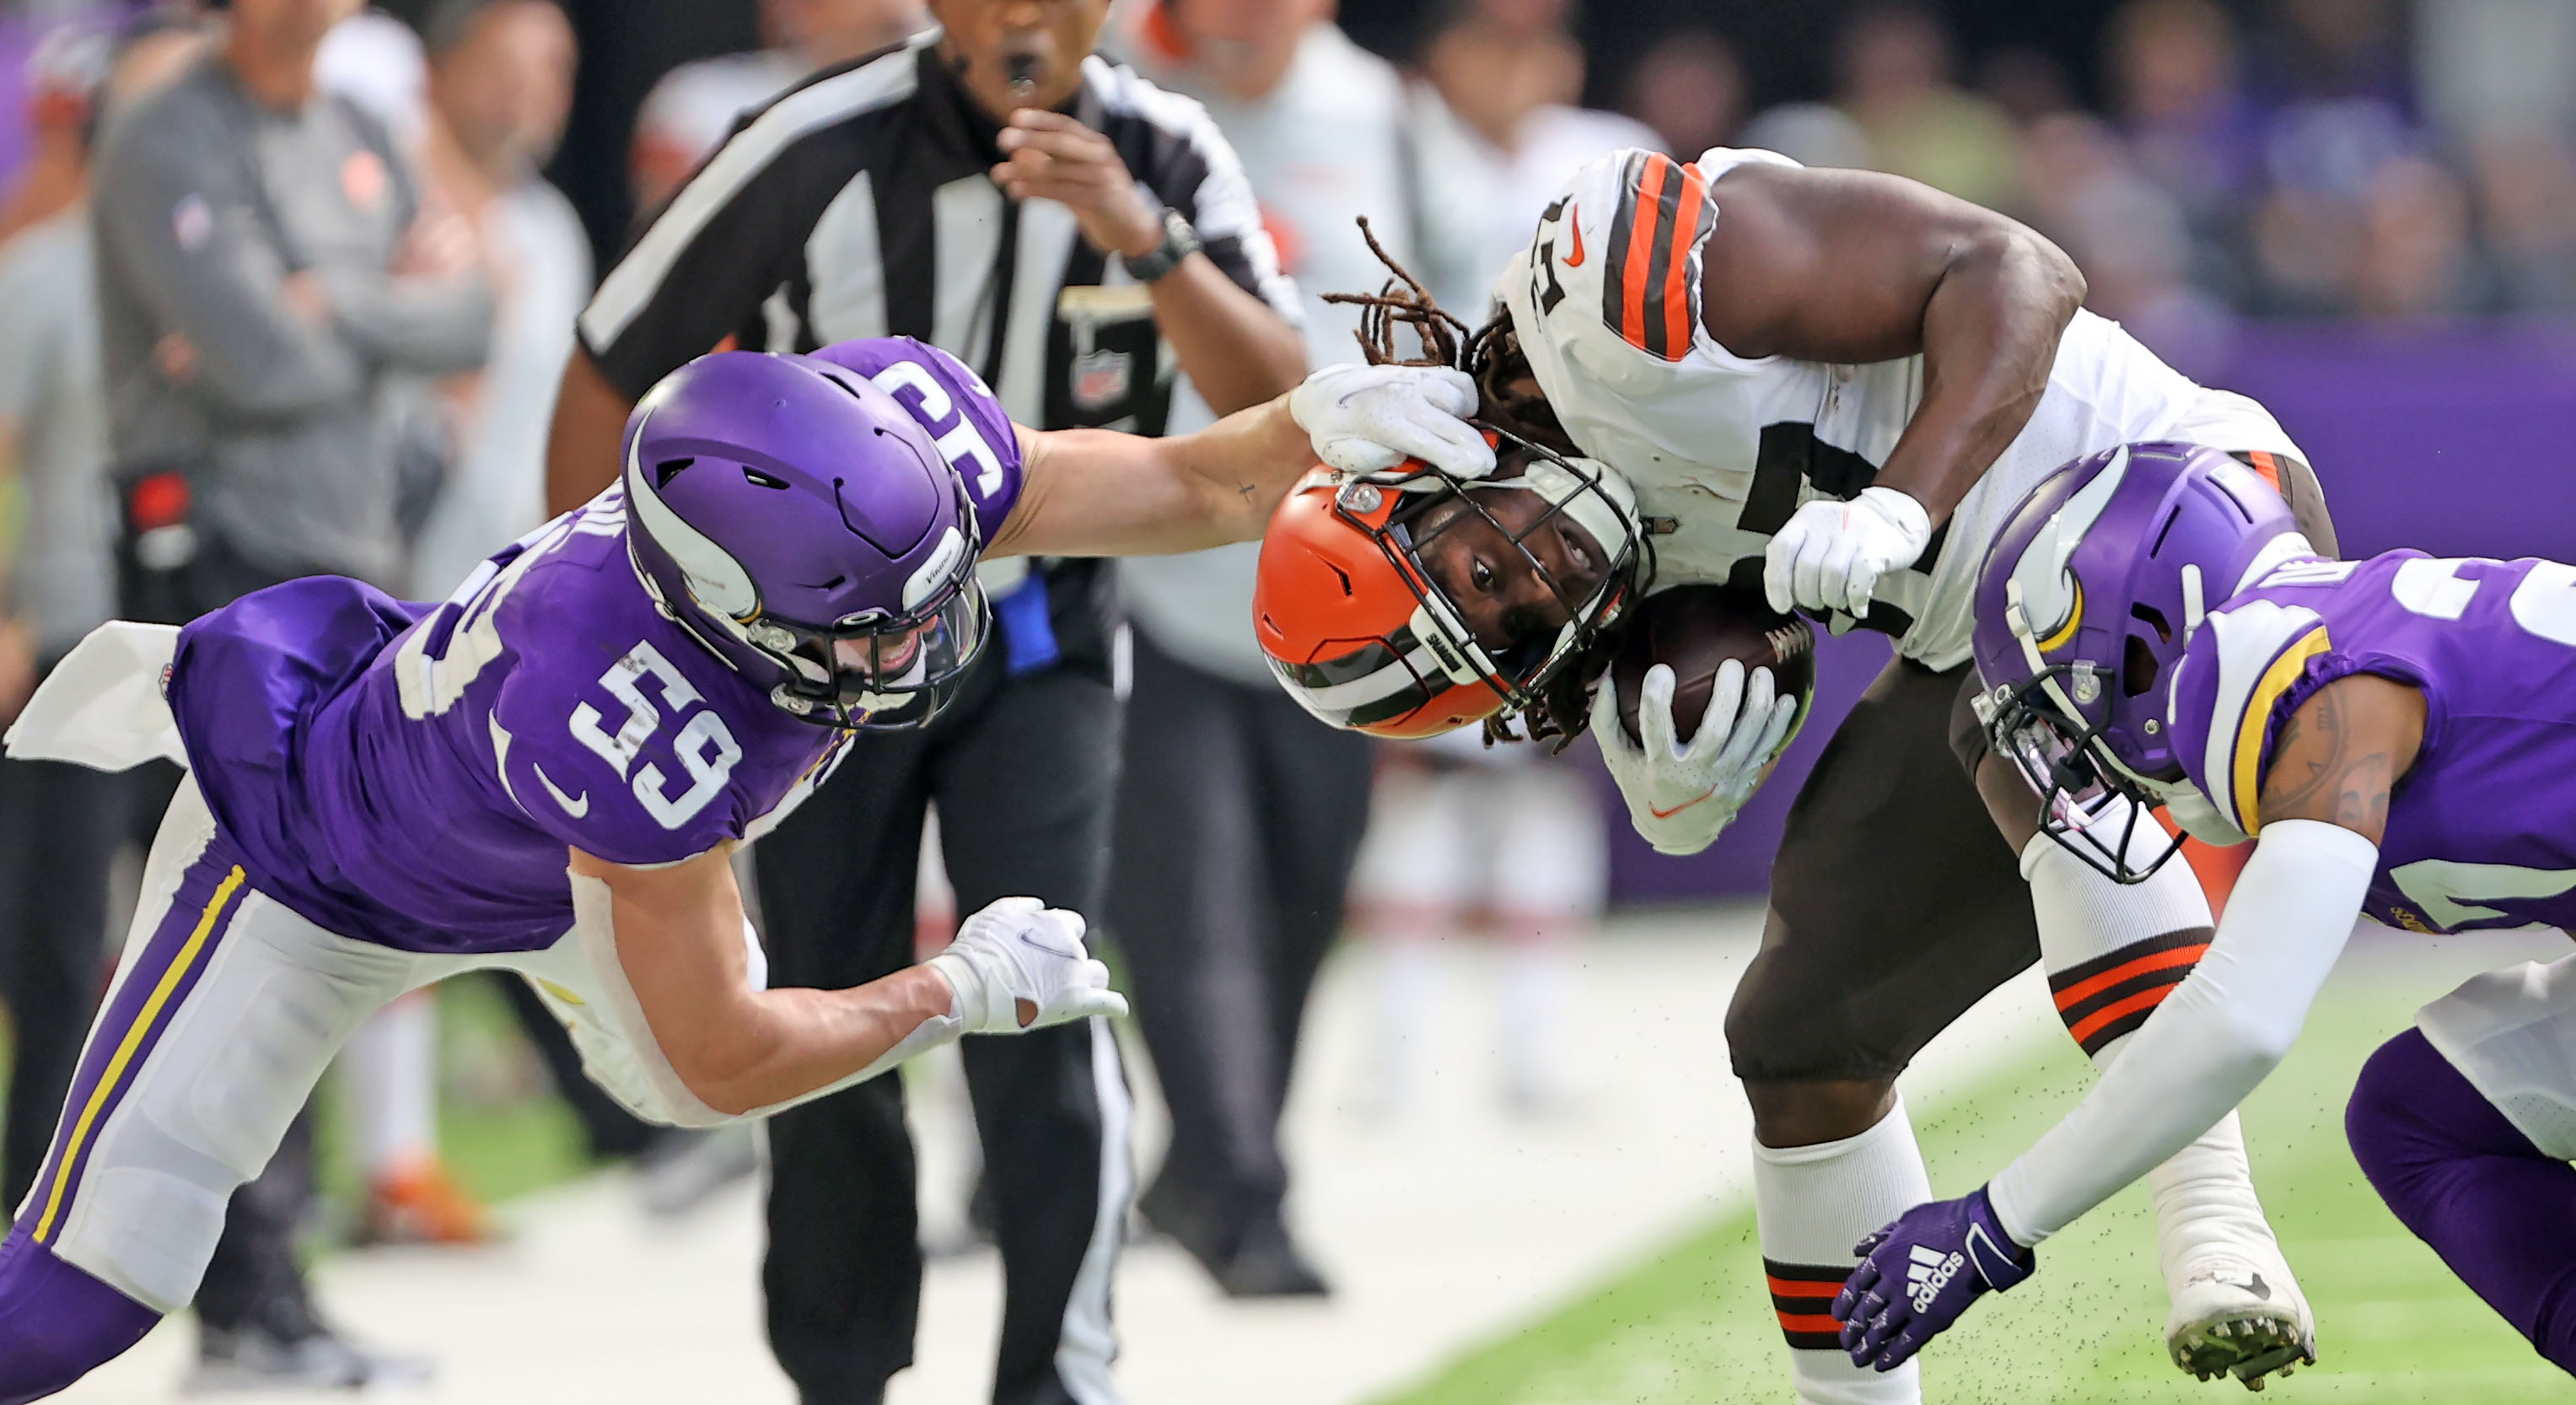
{"points": [[736, 164], [1090, 1340]]}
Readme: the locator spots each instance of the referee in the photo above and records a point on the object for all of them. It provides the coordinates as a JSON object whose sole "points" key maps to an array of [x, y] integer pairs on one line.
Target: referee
{"points": [[1089, 245]]}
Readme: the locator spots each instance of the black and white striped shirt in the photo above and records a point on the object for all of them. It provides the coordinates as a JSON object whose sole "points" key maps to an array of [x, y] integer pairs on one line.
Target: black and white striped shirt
{"points": [[858, 204]]}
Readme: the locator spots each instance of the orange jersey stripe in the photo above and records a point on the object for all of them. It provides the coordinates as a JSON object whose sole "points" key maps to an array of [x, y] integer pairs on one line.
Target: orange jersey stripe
{"points": [[1676, 290], [1809, 1322], [2268, 466], [1801, 1288], [2085, 1028], [1641, 249], [2079, 992]]}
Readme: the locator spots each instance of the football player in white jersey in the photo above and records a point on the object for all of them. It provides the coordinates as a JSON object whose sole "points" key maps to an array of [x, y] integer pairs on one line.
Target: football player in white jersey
{"points": [[1828, 386]]}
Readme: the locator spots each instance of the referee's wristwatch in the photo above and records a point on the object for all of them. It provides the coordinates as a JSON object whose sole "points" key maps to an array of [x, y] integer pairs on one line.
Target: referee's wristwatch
{"points": [[1179, 242]]}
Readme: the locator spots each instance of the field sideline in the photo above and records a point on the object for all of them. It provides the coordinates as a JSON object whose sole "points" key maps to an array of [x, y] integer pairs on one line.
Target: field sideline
{"points": [[1692, 1326]]}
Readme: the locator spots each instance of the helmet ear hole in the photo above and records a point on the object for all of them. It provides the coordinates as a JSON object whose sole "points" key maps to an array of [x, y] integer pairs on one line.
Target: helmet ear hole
{"points": [[2154, 619], [2138, 667]]}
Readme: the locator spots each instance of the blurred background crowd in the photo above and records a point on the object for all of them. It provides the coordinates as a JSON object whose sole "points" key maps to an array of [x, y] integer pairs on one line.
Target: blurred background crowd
{"points": [[381, 409]]}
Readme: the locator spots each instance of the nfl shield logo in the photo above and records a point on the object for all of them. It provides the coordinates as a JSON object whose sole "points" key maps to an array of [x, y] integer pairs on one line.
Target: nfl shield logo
{"points": [[1100, 379]]}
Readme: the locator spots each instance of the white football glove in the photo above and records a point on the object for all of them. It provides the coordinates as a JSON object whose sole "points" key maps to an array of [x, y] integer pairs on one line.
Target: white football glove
{"points": [[1020, 965], [1369, 419], [1679, 796], [1831, 554]]}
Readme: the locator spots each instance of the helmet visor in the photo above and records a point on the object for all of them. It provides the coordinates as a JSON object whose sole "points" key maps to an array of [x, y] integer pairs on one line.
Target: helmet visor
{"points": [[882, 672]]}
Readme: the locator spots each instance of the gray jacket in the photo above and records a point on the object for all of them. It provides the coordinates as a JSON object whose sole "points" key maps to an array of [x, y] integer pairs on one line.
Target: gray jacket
{"points": [[205, 202]]}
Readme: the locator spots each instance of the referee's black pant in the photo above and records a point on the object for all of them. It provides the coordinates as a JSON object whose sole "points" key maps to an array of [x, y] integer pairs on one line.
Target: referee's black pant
{"points": [[59, 827], [1239, 819], [1023, 770]]}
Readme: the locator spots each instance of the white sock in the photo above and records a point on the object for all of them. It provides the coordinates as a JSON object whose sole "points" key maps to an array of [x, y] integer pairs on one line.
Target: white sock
{"points": [[1535, 990], [391, 1069], [2113, 952], [1813, 1203], [1408, 999]]}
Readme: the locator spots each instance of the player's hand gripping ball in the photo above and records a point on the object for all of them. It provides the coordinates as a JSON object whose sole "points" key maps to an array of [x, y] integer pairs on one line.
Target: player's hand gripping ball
{"points": [[1917, 1275], [1705, 691], [1370, 419], [1020, 965]]}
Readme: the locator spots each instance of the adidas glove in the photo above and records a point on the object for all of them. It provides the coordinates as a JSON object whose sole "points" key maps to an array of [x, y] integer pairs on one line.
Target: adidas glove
{"points": [[1917, 1275], [1020, 965]]}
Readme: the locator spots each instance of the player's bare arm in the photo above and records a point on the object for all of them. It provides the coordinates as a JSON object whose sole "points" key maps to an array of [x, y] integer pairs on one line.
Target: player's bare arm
{"points": [[1853, 266], [2342, 752], [1096, 492], [679, 938]]}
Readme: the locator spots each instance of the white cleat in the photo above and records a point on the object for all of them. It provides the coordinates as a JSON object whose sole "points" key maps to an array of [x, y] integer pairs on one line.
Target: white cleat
{"points": [[2237, 1316]]}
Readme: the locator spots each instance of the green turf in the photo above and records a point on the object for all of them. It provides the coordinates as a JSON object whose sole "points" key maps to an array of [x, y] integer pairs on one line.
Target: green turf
{"points": [[1693, 1326]]}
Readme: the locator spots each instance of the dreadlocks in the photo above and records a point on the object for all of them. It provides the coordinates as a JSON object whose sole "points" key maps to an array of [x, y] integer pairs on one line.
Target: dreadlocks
{"points": [[1506, 389], [1508, 397]]}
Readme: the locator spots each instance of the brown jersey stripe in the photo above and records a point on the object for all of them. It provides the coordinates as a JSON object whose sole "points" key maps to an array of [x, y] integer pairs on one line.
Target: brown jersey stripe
{"points": [[1614, 252], [1646, 205], [1691, 218]]}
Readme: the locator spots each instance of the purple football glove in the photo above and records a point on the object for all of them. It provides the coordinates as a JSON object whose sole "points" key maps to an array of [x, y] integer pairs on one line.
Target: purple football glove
{"points": [[1917, 1275]]}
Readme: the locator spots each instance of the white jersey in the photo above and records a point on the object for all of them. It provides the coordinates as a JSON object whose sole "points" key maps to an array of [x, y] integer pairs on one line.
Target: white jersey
{"points": [[1722, 448]]}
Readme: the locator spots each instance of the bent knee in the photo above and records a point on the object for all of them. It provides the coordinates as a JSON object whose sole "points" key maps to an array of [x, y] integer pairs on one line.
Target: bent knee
{"points": [[2411, 1110], [1807, 1112]]}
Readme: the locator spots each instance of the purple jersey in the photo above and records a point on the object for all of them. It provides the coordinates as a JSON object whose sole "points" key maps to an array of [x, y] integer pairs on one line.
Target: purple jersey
{"points": [[414, 774], [2481, 833]]}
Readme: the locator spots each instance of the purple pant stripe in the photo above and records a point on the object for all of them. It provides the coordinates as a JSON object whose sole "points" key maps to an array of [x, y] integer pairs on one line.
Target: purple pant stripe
{"points": [[151, 995]]}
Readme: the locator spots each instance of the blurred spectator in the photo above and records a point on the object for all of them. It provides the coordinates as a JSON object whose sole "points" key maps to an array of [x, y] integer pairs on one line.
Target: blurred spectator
{"points": [[1239, 816], [58, 822], [2525, 181], [1893, 72], [2024, 84], [1510, 73], [1811, 134], [2327, 50], [2416, 259], [263, 272], [2174, 78], [1510, 835], [690, 110], [500, 88], [2129, 236], [1690, 89], [376, 61]]}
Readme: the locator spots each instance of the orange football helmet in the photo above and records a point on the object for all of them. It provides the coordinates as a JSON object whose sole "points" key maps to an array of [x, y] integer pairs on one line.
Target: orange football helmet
{"points": [[1360, 634]]}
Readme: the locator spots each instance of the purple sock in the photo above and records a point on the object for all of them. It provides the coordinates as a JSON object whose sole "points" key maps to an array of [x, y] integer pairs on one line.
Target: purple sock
{"points": [[2500, 1212], [56, 1322]]}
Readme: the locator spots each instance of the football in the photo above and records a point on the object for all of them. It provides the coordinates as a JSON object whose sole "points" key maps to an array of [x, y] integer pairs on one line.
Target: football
{"points": [[1695, 628]]}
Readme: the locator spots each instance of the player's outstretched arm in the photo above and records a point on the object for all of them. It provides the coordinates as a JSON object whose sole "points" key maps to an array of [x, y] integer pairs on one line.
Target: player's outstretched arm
{"points": [[1094, 492], [678, 932], [2324, 806]]}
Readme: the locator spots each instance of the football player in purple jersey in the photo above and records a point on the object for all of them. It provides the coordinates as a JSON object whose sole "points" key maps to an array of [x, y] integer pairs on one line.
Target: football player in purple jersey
{"points": [[2153, 630], [547, 773]]}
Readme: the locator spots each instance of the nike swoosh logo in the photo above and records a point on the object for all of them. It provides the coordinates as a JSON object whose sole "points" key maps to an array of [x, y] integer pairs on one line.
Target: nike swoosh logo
{"points": [[575, 806], [1030, 939], [1573, 216], [1657, 813]]}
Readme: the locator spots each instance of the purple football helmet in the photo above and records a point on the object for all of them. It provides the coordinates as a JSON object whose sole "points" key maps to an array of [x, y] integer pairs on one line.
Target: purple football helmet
{"points": [[800, 523], [2085, 603]]}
